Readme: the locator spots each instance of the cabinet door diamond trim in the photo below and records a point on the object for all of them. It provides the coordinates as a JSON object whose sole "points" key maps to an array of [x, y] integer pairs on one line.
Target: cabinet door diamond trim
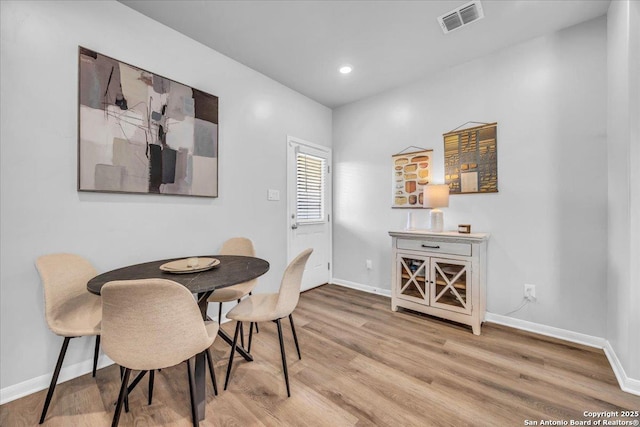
{"points": [[450, 285]]}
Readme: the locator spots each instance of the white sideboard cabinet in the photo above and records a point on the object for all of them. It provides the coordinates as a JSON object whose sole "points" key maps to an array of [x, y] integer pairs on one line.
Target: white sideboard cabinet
{"points": [[441, 274]]}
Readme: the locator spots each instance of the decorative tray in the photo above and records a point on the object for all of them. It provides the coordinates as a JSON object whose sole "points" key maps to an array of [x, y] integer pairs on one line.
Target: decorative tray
{"points": [[190, 265]]}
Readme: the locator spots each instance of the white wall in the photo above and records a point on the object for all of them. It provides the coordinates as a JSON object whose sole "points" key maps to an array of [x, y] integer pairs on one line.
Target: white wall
{"points": [[548, 220], [623, 127], [41, 211]]}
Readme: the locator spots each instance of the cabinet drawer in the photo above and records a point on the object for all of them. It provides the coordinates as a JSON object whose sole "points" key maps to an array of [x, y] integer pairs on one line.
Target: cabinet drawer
{"points": [[463, 249]]}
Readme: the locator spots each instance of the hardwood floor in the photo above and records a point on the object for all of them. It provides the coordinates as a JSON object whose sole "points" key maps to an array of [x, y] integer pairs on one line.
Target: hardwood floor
{"points": [[364, 365]]}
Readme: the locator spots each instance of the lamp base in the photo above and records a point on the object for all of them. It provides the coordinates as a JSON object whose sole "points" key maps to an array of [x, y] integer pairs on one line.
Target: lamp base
{"points": [[437, 220]]}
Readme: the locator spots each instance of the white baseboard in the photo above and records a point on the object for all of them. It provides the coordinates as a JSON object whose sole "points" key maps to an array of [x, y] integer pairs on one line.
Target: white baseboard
{"points": [[361, 287], [42, 382], [627, 384], [630, 385], [549, 331]]}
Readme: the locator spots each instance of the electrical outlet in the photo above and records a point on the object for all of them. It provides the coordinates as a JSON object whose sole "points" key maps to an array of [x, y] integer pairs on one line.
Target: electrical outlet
{"points": [[369, 264], [530, 291]]}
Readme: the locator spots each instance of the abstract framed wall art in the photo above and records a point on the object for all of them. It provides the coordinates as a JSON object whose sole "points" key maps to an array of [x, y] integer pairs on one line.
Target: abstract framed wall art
{"points": [[411, 172], [139, 132], [471, 159]]}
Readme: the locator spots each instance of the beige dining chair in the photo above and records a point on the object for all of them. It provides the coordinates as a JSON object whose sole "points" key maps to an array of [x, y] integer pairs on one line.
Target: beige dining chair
{"points": [[70, 310], [272, 307], [151, 324], [235, 246]]}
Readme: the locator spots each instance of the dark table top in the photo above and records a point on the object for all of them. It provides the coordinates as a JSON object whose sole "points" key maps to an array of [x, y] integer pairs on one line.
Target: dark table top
{"points": [[231, 271]]}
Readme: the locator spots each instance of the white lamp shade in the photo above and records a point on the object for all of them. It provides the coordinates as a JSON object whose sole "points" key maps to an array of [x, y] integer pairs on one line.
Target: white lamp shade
{"points": [[436, 196]]}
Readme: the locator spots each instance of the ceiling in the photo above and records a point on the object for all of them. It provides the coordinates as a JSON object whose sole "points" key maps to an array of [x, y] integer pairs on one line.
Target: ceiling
{"points": [[301, 44]]}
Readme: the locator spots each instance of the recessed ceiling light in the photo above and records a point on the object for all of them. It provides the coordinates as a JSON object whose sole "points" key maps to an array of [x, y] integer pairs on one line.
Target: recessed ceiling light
{"points": [[345, 69]]}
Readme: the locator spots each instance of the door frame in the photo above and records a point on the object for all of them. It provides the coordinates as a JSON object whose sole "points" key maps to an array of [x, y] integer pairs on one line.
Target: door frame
{"points": [[292, 143]]}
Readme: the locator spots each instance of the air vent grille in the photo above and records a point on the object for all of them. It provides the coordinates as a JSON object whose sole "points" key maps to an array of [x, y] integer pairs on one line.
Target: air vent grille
{"points": [[452, 21], [461, 16], [469, 13]]}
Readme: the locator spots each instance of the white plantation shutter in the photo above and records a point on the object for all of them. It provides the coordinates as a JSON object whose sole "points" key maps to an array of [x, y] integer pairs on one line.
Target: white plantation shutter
{"points": [[310, 174]]}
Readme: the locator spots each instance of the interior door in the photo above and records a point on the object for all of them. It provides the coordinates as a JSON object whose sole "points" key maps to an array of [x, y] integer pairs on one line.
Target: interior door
{"points": [[309, 208]]}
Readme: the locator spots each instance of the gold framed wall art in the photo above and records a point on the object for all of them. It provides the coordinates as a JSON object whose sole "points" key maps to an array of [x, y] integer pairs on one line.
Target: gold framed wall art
{"points": [[471, 159], [411, 172]]}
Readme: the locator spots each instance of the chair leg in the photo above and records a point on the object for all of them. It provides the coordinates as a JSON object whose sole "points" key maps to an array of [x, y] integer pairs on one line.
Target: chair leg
{"points": [[241, 330], [212, 372], [126, 395], [251, 293], [54, 379], [220, 313], [284, 357], [251, 335], [95, 356], [295, 337], [233, 350], [121, 397], [192, 394], [152, 375]]}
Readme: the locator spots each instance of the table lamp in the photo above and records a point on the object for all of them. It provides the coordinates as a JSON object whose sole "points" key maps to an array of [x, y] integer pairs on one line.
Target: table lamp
{"points": [[436, 196]]}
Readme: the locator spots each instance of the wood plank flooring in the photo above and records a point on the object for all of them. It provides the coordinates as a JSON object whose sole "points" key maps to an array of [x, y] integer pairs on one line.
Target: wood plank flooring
{"points": [[362, 365]]}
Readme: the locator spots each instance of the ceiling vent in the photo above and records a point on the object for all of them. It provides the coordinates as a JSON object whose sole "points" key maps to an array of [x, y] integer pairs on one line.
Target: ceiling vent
{"points": [[457, 18]]}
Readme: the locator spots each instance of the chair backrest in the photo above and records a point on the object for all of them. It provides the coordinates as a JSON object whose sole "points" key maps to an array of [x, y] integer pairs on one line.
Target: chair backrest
{"points": [[289, 293], [238, 246], [151, 324], [244, 247], [64, 278]]}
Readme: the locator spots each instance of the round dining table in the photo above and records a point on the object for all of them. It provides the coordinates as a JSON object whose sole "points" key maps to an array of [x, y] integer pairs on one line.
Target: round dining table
{"points": [[231, 270]]}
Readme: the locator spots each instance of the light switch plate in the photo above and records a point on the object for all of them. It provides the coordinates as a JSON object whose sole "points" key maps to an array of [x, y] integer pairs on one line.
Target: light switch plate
{"points": [[273, 195]]}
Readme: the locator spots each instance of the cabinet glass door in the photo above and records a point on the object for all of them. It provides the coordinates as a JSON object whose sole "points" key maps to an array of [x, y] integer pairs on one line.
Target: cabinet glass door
{"points": [[412, 283], [451, 285]]}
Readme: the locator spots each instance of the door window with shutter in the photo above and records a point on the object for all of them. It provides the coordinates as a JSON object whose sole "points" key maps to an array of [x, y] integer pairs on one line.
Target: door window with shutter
{"points": [[310, 182]]}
